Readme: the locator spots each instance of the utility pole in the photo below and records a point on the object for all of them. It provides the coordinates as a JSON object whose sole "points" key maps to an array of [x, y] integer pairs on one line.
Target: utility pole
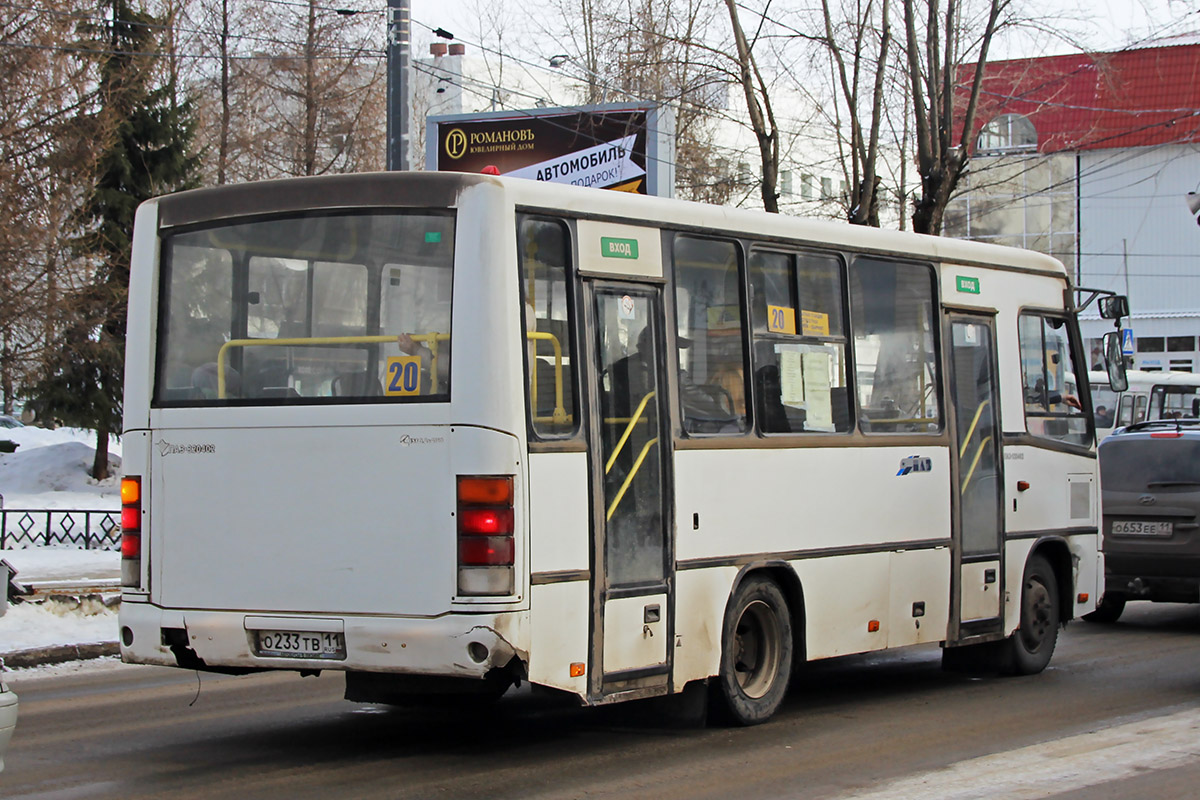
{"points": [[398, 51]]}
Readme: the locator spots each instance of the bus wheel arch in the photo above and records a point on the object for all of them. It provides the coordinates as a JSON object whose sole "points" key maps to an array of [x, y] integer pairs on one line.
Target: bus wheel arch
{"points": [[1057, 552], [760, 632]]}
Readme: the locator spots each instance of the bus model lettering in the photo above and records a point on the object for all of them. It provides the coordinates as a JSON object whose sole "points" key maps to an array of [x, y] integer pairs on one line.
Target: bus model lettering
{"points": [[517, 523]]}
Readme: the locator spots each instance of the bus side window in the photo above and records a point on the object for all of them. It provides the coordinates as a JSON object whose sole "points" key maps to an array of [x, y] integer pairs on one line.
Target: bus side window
{"points": [[544, 250], [1126, 415], [1139, 415], [796, 307], [710, 355], [891, 316], [1050, 378]]}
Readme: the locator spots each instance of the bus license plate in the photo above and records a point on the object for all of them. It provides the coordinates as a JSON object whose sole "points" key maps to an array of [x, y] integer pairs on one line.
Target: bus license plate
{"points": [[1136, 527], [301, 644]]}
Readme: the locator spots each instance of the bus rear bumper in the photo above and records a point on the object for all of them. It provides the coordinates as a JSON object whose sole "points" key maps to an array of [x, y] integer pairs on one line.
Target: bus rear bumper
{"points": [[453, 645]]}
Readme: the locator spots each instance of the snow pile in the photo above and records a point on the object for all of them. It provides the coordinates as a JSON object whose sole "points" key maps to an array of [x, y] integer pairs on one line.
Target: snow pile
{"points": [[50, 470]]}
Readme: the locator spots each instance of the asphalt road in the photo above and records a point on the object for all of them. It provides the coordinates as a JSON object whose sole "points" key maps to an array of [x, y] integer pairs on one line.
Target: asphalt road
{"points": [[1116, 715]]}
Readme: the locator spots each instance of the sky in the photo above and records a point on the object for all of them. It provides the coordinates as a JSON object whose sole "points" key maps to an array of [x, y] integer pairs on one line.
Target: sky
{"points": [[1096, 24]]}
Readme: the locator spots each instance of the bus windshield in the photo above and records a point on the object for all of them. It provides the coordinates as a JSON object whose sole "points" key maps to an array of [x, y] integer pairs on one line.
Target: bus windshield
{"points": [[311, 308]]}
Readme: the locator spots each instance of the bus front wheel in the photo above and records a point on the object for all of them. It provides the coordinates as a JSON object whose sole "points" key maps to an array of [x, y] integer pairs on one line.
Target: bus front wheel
{"points": [[1033, 643], [756, 654]]}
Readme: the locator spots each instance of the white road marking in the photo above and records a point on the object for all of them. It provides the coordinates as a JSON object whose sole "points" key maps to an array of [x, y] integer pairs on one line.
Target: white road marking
{"points": [[1051, 768]]}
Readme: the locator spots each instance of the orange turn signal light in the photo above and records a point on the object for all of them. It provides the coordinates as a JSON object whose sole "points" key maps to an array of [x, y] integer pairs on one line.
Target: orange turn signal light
{"points": [[131, 491], [1083, 597], [577, 669], [485, 491], [873, 626]]}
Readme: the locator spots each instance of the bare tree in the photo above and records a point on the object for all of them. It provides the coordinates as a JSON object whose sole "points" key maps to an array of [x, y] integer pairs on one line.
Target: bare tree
{"points": [[758, 105], [867, 38], [937, 43]]}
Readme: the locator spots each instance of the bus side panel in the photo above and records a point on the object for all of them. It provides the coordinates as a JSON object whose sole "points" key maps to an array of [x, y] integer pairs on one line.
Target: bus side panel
{"points": [[920, 605], [559, 528], [700, 599], [842, 596], [768, 501], [559, 536], [559, 635]]}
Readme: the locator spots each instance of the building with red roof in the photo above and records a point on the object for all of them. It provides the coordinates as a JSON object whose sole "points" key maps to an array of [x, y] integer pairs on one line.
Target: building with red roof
{"points": [[1094, 158]]}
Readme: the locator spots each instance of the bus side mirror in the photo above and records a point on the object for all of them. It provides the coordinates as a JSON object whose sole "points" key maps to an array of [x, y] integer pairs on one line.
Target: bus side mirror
{"points": [[1114, 359], [1114, 306]]}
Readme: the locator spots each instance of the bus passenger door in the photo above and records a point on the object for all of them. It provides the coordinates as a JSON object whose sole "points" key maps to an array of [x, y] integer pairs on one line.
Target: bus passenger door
{"points": [[630, 442], [978, 491]]}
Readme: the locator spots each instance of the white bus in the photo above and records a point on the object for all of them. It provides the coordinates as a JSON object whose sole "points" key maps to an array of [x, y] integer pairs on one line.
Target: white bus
{"points": [[1151, 395], [450, 433]]}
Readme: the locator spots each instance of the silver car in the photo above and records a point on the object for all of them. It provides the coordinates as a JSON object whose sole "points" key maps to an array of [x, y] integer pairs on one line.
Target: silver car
{"points": [[8, 718]]}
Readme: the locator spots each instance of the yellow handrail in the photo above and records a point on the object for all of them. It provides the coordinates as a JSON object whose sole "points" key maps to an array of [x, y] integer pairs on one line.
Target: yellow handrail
{"points": [[975, 463], [430, 339], [629, 478], [971, 432], [637, 415], [560, 413]]}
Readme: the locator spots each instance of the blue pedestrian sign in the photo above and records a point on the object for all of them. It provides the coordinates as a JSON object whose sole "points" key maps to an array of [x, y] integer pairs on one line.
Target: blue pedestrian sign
{"points": [[1126, 341]]}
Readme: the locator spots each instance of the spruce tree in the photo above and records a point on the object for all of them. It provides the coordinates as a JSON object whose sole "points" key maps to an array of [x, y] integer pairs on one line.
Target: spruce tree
{"points": [[148, 134]]}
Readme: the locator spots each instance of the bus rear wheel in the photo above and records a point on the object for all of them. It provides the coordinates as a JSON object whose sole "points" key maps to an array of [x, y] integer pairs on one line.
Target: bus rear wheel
{"points": [[756, 654], [1033, 643]]}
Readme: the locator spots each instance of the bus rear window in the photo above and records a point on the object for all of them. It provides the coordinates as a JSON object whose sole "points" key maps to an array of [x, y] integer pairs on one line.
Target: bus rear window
{"points": [[317, 308]]}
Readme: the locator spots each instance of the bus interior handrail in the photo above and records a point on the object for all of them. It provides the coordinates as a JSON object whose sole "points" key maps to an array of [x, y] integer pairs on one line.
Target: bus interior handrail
{"points": [[637, 465], [429, 339]]}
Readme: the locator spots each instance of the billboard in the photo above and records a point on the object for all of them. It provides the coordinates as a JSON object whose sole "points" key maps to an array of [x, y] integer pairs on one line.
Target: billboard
{"points": [[627, 146]]}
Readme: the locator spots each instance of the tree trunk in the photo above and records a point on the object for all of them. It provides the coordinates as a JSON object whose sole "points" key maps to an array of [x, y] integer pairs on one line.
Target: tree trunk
{"points": [[100, 462]]}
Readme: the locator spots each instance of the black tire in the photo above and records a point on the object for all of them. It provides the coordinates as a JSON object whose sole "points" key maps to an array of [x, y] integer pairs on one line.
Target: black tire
{"points": [[756, 654], [1032, 645], [1108, 610]]}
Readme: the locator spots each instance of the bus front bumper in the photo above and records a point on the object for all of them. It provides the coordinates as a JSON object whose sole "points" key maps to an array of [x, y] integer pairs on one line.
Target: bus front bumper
{"points": [[452, 645]]}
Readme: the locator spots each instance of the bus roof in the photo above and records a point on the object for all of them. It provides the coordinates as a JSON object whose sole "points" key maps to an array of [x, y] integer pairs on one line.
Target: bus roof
{"points": [[1143, 378], [442, 189]]}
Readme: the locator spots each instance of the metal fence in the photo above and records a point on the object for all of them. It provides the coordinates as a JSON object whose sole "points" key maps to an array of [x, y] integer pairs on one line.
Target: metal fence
{"points": [[60, 527]]}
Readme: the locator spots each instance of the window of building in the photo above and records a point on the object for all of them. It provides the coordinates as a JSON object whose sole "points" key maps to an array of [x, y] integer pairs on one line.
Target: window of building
{"points": [[1051, 379], [806, 187], [826, 188], [785, 182], [1007, 133], [799, 342], [1150, 344], [544, 247], [711, 355], [895, 352], [1181, 344]]}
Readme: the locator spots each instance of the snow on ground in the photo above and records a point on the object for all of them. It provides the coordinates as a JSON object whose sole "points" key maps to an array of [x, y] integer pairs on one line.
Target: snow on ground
{"points": [[28, 625], [49, 470]]}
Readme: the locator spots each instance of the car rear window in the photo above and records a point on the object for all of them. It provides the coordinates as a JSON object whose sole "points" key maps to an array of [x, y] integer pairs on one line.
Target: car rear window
{"points": [[1132, 465]]}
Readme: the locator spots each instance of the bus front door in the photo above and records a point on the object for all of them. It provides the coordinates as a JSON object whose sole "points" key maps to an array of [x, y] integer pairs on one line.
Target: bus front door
{"points": [[979, 487], [630, 440]]}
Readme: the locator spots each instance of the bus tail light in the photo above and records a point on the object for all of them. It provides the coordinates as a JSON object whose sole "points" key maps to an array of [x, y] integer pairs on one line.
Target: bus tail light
{"points": [[131, 531], [486, 541]]}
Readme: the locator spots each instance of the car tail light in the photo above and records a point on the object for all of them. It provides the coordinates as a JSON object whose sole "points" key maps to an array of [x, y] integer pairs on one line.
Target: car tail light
{"points": [[486, 542], [131, 531], [1167, 435]]}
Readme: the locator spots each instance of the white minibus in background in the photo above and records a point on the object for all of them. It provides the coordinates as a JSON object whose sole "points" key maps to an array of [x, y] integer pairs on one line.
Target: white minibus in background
{"points": [[449, 433], [1150, 396]]}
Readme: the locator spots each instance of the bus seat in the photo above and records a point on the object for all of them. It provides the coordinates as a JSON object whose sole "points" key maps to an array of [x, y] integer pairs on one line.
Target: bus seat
{"points": [[271, 375]]}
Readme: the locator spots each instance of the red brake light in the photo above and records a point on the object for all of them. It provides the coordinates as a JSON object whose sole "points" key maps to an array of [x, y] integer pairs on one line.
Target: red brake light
{"points": [[485, 551], [1166, 435], [131, 519], [131, 546], [486, 521]]}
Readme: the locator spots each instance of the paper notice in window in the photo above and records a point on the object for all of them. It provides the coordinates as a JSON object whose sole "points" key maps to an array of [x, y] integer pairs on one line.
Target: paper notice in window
{"points": [[791, 378], [816, 392]]}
